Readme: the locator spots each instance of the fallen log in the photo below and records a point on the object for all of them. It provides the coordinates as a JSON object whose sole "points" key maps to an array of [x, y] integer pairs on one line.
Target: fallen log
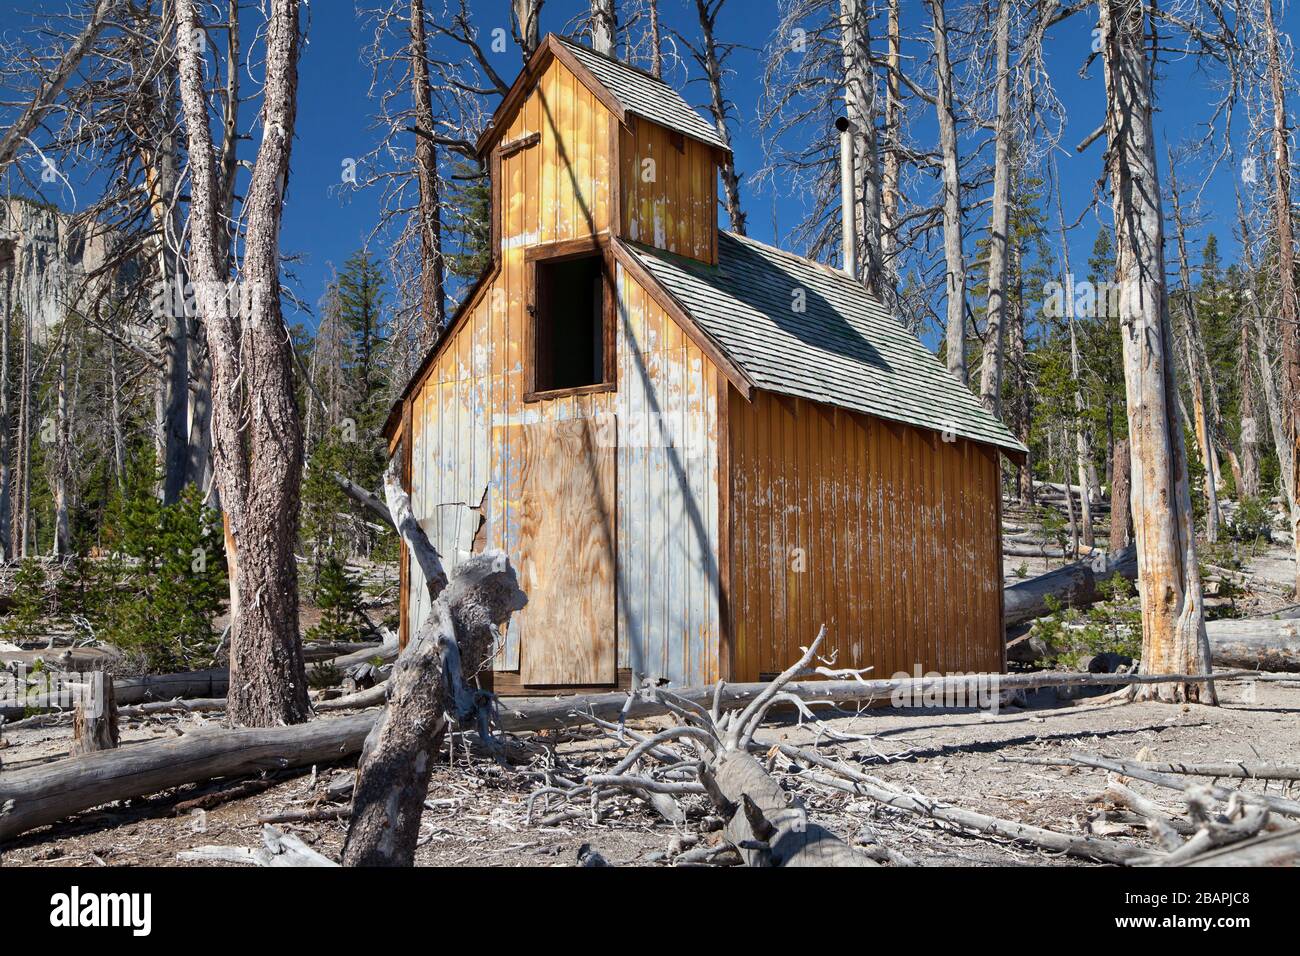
{"points": [[40, 795], [370, 697], [1258, 644], [134, 690], [190, 685], [517, 715], [1012, 549], [1281, 848], [280, 849], [66, 658], [56, 718], [384, 653], [1130, 768], [316, 651], [1240, 771], [840, 777], [1075, 585], [1255, 643], [37, 796]]}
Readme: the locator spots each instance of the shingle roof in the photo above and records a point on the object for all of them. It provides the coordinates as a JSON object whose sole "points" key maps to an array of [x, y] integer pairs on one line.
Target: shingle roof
{"points": [[843, 349], [642, 94]]}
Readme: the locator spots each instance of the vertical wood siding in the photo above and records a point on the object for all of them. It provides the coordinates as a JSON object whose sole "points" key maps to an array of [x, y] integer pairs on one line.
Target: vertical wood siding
{"points": [[669, 191], [885, 533], [465, 465]]}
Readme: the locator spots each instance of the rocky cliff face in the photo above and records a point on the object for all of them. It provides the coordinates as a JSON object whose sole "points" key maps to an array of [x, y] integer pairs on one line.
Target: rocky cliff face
{"points": [[44, 262]]}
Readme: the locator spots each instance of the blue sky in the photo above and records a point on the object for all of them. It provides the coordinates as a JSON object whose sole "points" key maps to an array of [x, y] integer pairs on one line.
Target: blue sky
{"points": [[324, 226]]}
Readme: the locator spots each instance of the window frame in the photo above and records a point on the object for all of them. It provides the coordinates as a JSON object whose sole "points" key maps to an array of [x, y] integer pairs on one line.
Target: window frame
{"points": [[550, 253]]}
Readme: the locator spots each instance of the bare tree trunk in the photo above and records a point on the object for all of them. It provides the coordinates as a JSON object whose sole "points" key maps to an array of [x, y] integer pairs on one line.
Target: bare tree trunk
{"points": [[257, 456], [1083, 448], [604, 27], [656, 41], [22, 475], [1121, 507], [1024, 396], [6, 445], [890, 199], [200, 466], [1173, 619], [860, 110], [708, 11], [430, 208], [1249, 481], [115, 418], [1263, 336], [1069, 494], [952, 248], [160, 159], [1191, 337], [995, 330], [527, 25], [1288, 309], [62, 455], [199, 430]]}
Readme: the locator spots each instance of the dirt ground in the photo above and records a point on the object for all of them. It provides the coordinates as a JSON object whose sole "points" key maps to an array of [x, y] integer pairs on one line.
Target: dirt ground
{"points": [[478, 810]]}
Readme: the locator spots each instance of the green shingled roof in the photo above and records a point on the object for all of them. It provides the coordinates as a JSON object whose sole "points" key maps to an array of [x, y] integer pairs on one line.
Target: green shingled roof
{"points": [[642, 94], [842, 349]]}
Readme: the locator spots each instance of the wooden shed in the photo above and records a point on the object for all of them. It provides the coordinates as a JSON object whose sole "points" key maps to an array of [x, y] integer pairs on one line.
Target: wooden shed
{"points": [[695, 448]]}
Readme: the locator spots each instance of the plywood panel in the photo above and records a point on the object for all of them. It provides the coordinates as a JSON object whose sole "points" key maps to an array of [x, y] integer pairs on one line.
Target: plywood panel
{"points": [[566, 563]]}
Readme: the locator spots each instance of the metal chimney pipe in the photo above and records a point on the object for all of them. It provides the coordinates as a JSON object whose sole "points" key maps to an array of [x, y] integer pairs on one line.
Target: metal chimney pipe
{"points": [[848, 196]]}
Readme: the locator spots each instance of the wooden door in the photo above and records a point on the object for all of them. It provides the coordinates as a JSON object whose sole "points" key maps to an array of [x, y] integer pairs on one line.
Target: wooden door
{"points": [[564, 496]]}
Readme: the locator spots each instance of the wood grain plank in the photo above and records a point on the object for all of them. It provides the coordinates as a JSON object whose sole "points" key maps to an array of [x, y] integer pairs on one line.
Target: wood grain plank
{"points": [[566, 554]]}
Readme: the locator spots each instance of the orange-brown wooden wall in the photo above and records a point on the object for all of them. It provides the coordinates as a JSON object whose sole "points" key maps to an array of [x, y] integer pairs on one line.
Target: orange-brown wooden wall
{"points": [[669, 191], [886, 534]]}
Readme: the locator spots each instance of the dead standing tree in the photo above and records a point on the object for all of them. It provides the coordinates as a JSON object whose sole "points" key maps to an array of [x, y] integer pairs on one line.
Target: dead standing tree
{"points": [[819, 67], [257, 437], [435, 85], [1173, 620], [1193, 350], [995, 334], [711, 55], [429, 211], [1289, 306], [604, 27], [955, 282]]}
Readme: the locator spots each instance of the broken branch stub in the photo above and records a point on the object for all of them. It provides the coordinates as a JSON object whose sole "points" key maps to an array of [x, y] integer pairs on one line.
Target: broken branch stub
{"points": [[428, 683]]}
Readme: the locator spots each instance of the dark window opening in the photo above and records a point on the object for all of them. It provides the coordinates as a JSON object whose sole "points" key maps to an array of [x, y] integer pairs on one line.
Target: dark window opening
{"points": [[569, 324]]}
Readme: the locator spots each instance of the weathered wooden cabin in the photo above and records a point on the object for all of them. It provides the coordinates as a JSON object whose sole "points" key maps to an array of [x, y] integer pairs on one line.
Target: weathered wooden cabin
{"points": [[695, 448]]}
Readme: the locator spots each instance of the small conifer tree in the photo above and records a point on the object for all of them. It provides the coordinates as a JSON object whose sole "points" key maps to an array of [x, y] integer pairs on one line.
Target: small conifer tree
{"points": [[338, 595]]}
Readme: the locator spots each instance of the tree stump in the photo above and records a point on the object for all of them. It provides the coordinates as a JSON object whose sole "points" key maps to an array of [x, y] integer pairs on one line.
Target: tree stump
{"points": [[94, 720]]}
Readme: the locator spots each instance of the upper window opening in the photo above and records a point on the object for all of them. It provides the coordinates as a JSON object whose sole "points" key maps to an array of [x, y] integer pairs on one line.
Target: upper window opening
{"points": [[569, 324]]}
